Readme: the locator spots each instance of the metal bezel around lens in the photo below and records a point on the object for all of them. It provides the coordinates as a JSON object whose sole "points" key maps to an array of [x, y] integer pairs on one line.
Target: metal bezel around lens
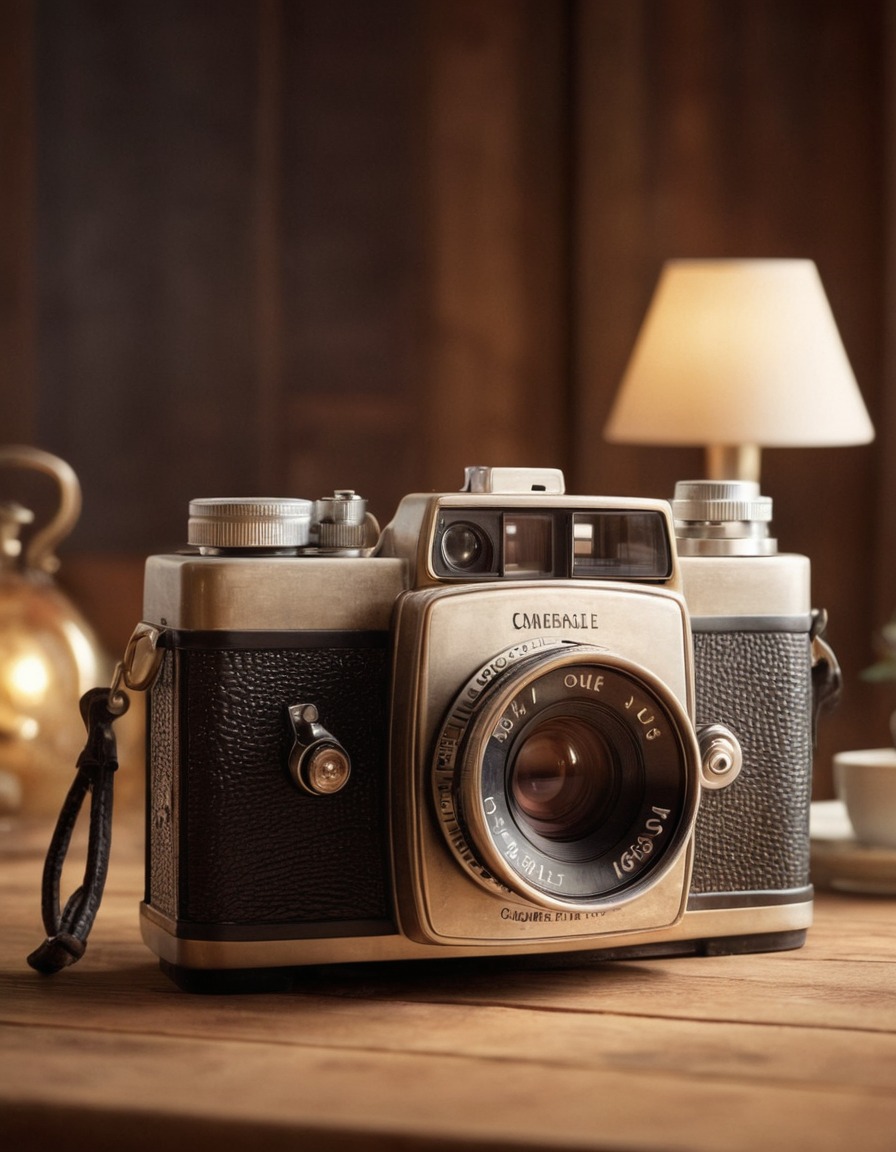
{"points": [[634, 842]]}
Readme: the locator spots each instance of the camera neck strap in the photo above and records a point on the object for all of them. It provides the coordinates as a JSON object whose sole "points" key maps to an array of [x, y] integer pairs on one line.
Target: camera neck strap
{"points": [[67, 930]]}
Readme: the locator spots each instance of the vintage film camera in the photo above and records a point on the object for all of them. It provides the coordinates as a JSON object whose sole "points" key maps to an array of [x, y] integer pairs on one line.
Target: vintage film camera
{"points": [[516, 721]]}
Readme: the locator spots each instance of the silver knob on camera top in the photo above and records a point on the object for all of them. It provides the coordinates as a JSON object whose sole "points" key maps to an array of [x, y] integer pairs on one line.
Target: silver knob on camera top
{"points": [[335, 524], [274, 524], [722, 518], [341, 520]]}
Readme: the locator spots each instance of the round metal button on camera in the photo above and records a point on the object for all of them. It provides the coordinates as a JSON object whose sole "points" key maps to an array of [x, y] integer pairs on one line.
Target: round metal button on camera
{"points": [[721, 756], [317, 761], [325, 770]]}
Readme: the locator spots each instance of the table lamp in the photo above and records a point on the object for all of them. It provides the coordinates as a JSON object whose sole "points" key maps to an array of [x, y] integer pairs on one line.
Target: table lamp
{"points": [[737, 355]]}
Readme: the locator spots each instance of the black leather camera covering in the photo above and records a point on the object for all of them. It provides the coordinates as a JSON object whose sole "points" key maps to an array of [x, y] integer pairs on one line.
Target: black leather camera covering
{"points": [[754, 834], [233, 841], [235, 848]]}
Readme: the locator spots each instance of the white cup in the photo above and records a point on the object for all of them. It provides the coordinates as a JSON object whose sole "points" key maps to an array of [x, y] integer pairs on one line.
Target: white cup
{"points": [[866, 783]]}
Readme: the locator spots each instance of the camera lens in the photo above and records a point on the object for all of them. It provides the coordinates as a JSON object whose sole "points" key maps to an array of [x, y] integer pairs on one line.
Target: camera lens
{"points": [[462, 546], [562, 778], [567, 775]]}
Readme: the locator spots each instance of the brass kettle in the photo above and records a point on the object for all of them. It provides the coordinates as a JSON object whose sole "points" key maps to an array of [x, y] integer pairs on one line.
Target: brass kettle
{"points": [[49, 655]]}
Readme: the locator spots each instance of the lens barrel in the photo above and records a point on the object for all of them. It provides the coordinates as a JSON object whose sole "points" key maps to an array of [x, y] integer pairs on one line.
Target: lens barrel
{"points": [[566, 775]]}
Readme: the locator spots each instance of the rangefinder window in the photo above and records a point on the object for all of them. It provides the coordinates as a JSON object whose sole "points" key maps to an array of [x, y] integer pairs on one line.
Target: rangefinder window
{"points": [[528, 546], [619, 545]]}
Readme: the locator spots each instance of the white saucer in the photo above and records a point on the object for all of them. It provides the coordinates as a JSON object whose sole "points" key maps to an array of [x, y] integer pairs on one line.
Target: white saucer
{"points": [[838, 861]]}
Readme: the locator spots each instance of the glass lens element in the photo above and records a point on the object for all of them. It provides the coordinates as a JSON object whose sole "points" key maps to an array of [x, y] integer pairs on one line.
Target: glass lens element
{"points": [[461, 546], [563, 778]]}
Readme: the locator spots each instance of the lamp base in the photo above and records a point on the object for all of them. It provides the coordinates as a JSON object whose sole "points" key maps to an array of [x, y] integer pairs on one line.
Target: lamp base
{"points": [[733, 461]]}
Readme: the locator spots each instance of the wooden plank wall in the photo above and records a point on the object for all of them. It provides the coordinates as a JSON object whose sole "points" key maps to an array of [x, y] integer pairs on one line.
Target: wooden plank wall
{"points": [[296, 244], [745, 129], [18, 376]]}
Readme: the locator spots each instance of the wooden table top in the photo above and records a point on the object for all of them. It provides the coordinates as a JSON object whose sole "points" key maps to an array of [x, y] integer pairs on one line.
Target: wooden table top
{"points": [[791, 1050]]}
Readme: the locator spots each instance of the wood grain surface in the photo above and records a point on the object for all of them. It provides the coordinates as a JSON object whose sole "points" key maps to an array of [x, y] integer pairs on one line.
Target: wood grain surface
{"points": [[791, 1050]]}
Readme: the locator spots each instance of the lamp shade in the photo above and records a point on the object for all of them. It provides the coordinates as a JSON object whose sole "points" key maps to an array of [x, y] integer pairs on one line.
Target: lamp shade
{"points": [[736, 352]]}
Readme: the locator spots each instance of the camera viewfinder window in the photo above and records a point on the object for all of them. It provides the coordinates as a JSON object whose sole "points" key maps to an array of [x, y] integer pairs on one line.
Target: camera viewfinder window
{"points": [[467, 544], [621, 546], [528, 545]]}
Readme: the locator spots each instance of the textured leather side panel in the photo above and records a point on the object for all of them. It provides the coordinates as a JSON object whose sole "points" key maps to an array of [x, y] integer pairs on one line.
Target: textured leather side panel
{"points": [[253, 848], [161, 881], [754, 835]]}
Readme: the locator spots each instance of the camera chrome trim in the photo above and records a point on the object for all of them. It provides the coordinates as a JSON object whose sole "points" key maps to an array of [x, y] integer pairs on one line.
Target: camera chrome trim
{"points": [[413, 533], [532, 481], [741, 588], [192, 593], [696, 929]]}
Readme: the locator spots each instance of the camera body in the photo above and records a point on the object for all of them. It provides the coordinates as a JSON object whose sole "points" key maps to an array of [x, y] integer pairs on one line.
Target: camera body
{"points": [[516, 721]]}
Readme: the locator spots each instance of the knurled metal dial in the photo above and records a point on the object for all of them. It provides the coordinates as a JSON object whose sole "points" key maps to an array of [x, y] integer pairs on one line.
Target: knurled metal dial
{"points": [[718, 501], [341, 520], [722, 518], [249, 523]]}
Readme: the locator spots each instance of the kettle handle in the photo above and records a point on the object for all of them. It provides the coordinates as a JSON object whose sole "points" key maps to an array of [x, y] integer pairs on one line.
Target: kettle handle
{"points": [[39, 552]]}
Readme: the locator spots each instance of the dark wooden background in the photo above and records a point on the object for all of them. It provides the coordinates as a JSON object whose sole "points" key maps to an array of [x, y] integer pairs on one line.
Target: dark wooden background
{"points": [[287, 245]]}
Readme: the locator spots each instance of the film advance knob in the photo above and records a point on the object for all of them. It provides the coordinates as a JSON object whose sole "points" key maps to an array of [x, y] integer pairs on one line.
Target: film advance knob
{"points": [[257, 522]]}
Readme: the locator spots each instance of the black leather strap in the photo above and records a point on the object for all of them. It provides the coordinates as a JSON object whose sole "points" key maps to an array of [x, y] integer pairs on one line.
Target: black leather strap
{"points": [[67, 930]]}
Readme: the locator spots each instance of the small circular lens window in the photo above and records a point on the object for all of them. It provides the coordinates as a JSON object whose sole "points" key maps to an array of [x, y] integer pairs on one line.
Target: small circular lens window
{"points": [[464, 548]]}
